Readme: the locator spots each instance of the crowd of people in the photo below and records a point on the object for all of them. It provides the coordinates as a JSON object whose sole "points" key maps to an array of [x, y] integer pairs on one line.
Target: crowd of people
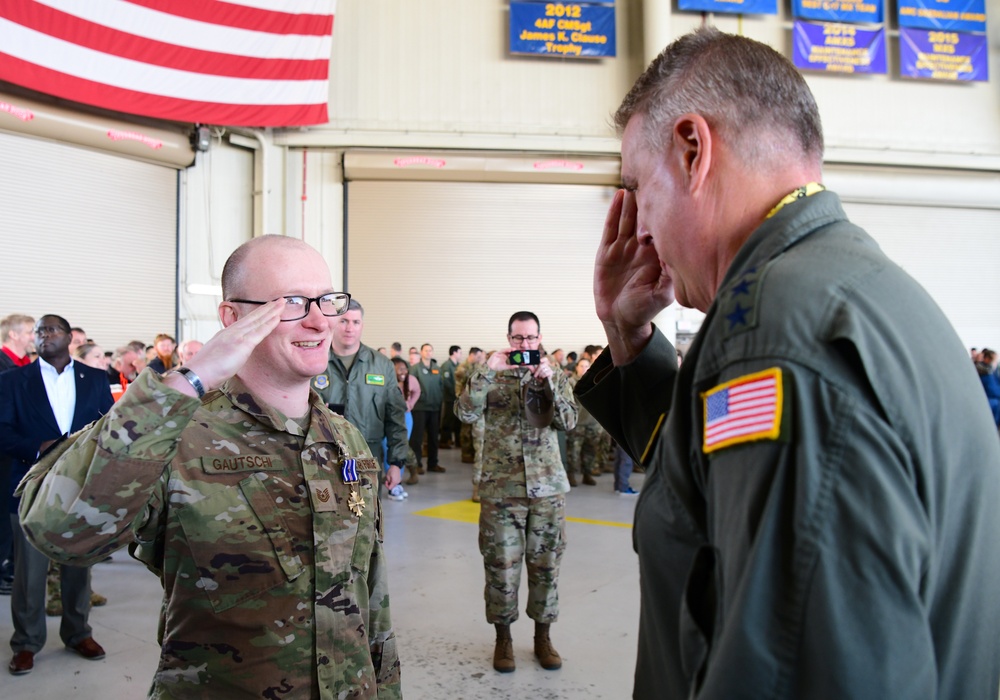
{"points": [[45, 354]]}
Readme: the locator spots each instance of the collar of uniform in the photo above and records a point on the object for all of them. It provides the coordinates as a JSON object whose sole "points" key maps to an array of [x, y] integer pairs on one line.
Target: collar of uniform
{"points": [[788, 226], [364, 355], [242, 398]]}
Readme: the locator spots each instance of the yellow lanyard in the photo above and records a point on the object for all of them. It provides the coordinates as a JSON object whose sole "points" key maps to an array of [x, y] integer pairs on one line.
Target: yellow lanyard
{"points": [[799, 193]]}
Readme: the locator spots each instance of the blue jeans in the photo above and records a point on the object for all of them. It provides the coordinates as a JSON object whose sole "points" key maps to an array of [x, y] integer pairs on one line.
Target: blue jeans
{"points": [[623, 469]]}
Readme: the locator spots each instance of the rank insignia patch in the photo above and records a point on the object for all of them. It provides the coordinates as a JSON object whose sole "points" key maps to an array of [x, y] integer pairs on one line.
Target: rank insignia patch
{"points": [[375, 379], [743, 410]]}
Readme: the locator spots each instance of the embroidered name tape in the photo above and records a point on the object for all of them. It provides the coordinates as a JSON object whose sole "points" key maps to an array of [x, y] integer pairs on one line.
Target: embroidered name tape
{"points": [[745, 409], [241, 463]]}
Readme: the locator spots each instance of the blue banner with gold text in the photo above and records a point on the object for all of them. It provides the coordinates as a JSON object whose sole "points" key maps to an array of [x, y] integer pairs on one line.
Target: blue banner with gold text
{"points": [[743, 7], [952, 15], [869, 11], [943, 55], [571, 30], [838, 48]]}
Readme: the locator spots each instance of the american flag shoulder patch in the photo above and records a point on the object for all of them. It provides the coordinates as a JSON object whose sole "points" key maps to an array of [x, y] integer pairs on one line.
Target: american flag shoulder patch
{"points": [[744, 409]]}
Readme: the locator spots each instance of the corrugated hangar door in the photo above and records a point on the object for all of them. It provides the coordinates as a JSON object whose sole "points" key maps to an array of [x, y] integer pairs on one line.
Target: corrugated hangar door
{"points": [[448, 262], [90, 236]]}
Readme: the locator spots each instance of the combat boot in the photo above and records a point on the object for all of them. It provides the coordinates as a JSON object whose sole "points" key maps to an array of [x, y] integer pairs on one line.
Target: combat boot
{"points": [[572, 480], [588, 479], [548, 657], [475, 493], [503, 654]]}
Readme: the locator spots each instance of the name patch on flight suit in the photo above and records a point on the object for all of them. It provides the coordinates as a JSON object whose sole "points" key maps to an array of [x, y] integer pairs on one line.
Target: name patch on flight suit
{"points": [[744, 409], [321, 382], [375, 379]]}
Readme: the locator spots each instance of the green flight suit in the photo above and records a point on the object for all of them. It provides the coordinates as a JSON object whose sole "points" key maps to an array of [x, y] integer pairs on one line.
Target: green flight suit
{"points": [[371, 399], [839, 540]]}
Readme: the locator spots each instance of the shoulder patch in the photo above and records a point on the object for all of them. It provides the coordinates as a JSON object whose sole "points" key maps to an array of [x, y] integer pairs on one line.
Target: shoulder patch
{"points": [[375, 379], [321, 382], [744, 409]]}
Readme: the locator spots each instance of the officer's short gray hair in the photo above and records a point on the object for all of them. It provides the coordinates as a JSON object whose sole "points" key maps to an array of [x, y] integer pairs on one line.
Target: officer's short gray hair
{"points": [[356, 306], [744, 89]]}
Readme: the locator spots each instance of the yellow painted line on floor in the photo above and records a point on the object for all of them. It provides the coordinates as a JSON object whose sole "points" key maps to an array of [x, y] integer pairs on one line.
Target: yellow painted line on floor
{"points": [[468, 512], [588, 521]]}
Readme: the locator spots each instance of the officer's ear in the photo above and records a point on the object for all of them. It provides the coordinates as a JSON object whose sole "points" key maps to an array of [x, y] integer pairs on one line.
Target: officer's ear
{"points": [[227, 314]]}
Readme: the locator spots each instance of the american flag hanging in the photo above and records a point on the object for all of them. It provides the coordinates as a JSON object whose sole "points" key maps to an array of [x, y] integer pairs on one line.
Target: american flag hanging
{"points": [[236, 63], [742, 410]]}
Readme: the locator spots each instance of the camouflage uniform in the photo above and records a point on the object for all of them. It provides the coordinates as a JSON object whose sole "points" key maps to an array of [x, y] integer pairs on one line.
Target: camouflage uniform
{"points": [[523, 489], [474, 430], [273, 587], [586, 443]]}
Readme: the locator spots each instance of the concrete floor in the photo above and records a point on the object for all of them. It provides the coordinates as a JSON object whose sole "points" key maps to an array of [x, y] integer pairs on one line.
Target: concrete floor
{"points": [[436, 584]]}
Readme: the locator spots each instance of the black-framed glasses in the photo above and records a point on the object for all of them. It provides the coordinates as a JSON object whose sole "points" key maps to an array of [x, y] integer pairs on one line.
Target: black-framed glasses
{"points": [[297, 307], [522, 338]]}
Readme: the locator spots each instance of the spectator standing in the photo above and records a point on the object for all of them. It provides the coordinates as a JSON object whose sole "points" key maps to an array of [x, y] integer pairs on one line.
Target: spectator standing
{"points": [[92, 355], [188, 349], [409, 387], [427, 410], [39, 403], [122, 370], [523, 486], [78, 339], [471, 434], [359, 384], [585, 442], [450, 425], [164, 358], [987, 367], [17, 337]]}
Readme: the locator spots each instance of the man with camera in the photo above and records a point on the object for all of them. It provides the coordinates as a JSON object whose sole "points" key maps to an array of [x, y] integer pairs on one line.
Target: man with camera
{"points": [[523, 484]]}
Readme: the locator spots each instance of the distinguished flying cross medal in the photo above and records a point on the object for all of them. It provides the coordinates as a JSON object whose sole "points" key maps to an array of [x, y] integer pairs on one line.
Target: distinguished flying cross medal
{"points": [[350, 474]]}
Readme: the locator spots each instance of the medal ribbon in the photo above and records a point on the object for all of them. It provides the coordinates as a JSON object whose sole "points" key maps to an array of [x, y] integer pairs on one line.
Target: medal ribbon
{"points": [[349, 471]]}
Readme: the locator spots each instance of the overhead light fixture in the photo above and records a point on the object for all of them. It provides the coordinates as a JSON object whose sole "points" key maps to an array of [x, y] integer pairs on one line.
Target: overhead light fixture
{"points": [[201, 138]]}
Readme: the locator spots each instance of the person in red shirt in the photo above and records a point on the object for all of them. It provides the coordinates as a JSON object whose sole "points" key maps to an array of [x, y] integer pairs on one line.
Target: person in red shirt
{"points": [[18, 338]]}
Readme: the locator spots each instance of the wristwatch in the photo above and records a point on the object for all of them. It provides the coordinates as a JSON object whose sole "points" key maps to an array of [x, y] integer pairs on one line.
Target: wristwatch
{"points": [[193, 379]]}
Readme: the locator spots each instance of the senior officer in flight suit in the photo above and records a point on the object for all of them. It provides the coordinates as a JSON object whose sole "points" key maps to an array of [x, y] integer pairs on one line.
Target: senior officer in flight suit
{"points": [[820, 515], [255, 505], [360, 384]]}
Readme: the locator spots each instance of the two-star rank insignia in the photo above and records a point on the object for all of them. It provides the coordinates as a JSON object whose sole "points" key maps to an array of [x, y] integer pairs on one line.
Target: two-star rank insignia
{"points": [[738, 302]]}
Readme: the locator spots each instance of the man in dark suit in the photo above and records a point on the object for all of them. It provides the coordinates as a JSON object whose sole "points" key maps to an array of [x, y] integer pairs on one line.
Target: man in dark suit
{"points": [[39, 403]]}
